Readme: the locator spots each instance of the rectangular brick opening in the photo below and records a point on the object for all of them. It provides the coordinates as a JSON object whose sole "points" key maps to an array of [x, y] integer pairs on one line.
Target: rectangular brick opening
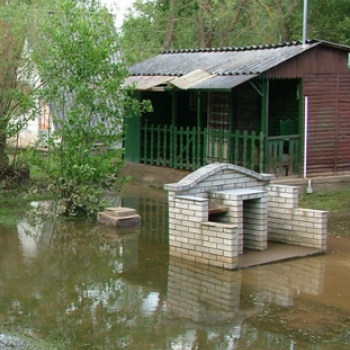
{"points": [[254, 224]]}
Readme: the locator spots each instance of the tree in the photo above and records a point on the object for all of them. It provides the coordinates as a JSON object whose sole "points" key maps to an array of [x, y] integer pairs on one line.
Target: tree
{"points": [[81, 72], [183, 24], [192, 24], [17, 82], [329, 20]]}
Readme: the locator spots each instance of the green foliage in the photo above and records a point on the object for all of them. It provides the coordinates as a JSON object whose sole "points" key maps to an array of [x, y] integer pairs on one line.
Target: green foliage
{"points": [[330, 20], [81, 72], [157, 25], [17, 78]]}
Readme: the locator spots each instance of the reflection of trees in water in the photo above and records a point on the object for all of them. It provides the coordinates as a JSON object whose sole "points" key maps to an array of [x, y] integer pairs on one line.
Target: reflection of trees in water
{"points": [[75, 284]]}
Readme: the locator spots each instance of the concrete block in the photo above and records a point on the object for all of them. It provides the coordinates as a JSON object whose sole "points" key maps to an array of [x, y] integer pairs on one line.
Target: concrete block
{"points": [[119, 217]]}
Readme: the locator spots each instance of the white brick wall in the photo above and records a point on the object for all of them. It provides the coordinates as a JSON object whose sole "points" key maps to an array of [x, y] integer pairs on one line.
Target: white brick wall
{"points": [[291, 225], [256, 212]]}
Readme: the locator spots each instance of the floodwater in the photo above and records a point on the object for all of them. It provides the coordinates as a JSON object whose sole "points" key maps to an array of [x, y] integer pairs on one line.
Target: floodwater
{"points": [[86, 286]]}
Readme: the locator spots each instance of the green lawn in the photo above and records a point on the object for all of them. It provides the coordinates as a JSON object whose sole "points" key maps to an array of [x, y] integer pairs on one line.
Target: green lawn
{"points": [[331, 201]]}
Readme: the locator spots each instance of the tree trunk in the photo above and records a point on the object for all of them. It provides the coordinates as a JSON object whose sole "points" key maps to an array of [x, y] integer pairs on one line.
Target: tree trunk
{"points": [[169, 35], [233, 23], [206, 34], [4, 160], [286, 33]]}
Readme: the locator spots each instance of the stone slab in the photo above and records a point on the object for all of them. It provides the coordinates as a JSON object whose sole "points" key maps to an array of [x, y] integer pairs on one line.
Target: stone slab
{"points": [[130, 222], [276, 252], [108, 218], [120, 212]]}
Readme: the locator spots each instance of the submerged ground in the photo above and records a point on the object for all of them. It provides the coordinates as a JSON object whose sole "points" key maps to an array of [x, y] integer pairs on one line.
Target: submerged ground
{"points": [[79, 285]]}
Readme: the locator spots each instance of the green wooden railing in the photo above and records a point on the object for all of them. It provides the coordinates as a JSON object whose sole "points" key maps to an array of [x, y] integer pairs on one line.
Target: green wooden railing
{"points": [[190, 148], [284, 155]]}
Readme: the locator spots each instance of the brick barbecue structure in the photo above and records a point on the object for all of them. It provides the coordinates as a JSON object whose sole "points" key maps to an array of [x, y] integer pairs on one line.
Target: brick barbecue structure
{"points": [[222, 208]]}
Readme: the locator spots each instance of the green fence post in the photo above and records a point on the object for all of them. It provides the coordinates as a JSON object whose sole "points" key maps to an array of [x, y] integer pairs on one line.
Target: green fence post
{"points": [[165, 151], [213, 143], [261, 151], [205, 147], [158, 151], [252, 150], [194, 140], [245, 148], [180, 152], [236, 142], [145, 141], [171, 139], [152, 144]]}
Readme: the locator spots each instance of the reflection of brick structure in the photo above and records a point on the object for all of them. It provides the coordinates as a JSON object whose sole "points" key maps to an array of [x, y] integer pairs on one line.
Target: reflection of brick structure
{"points": [[218, 209], [280, 283], [204, 293], [197, 293]]}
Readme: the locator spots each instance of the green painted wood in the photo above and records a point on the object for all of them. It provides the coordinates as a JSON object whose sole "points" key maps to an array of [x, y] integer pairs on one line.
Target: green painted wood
{"points": [[205, 147], [145, 142], [159, 150], [261, 152], [172, 147], [220, 145], [212, 139], [236, 150], [165, 143], [284, 155], [200, 148], [152, 144], [194, 148], [181, 148], [265, 113], [245, 148], [189, 148], [253, 150], [132, 141]]}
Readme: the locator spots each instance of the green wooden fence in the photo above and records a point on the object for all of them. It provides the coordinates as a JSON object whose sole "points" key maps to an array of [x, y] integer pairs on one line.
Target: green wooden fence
{"points": [[284, 155], [191, 148]]}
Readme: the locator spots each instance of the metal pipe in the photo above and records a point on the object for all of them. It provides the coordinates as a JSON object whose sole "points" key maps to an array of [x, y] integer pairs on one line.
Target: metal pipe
{"points": [[306, 134], [305, 21]]}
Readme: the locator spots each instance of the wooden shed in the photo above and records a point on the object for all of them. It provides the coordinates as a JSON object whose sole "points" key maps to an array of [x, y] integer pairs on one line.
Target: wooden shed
{"points": [[282, 109]]}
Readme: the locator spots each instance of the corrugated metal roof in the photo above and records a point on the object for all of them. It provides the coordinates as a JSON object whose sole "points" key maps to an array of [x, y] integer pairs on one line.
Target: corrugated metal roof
{"points": [[147, 82], [240, 64], [222, 83], [195, 77], [236, 61]]}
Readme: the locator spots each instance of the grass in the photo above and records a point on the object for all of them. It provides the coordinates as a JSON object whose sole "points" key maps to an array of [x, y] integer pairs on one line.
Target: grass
{"points": [[331, 201], [29, 342], [16, 201], [338, 205]]}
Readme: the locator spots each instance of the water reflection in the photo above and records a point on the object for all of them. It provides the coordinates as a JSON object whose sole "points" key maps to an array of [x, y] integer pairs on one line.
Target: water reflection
{"points": [[95, 287], [281, 283], [212, 296], [202, 293]]}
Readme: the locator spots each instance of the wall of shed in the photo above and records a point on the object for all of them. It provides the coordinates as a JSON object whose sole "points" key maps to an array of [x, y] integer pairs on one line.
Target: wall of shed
{"points": [[319, 60], [329, 124], [326, 82]]}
